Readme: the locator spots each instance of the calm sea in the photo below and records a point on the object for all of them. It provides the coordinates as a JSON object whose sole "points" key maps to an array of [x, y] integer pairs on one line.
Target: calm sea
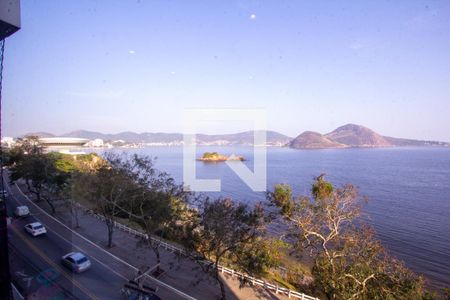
{"points": [[408, 191]]}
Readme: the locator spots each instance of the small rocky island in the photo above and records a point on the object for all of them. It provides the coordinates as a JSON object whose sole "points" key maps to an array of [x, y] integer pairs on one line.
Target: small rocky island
{"points": [[216, 157]]}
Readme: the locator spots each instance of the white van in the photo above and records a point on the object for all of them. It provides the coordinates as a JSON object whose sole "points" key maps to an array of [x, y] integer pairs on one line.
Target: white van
{"points": [[22, 211]]}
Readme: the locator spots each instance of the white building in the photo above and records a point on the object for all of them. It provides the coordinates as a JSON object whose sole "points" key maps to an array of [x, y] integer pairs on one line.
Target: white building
{"points": [[96, 143], [63, 144], [8, 141]]}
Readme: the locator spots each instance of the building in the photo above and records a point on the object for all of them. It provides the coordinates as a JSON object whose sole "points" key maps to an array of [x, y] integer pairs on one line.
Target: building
{"points": [[8, 141], [96, 143], [63, 144]]}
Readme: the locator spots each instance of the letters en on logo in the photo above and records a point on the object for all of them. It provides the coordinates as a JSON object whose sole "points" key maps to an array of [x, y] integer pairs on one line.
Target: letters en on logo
{"points": [[256, 180]]}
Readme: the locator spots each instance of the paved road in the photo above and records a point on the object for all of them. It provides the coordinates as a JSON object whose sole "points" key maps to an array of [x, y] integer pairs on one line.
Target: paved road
{"points": [[106, 276], [100, 282]]}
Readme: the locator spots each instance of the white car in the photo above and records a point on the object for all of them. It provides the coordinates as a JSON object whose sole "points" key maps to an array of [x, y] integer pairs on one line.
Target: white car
{"points": [[22, 211], [35, 229], [76, 261]]}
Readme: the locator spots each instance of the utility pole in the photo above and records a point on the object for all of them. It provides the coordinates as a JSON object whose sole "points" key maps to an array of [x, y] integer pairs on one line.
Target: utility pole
{"points": [[9, 24]]}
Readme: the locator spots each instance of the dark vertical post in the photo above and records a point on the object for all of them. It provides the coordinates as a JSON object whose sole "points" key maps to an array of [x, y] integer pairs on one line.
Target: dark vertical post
{"points": [[9, 24], [5, 276]]}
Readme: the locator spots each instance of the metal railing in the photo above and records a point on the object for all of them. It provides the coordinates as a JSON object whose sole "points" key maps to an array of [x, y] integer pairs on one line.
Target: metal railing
{"points": [[269, 286], [169, 247]]}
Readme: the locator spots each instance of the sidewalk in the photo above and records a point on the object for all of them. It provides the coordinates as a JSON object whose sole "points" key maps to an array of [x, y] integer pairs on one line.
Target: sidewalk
{"points": [[180, 272]]}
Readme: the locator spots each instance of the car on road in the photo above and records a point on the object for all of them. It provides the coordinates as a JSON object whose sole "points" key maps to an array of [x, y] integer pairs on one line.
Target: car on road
{"points": [[22, 211], [3, 193], [35, 229], [76, 261]]}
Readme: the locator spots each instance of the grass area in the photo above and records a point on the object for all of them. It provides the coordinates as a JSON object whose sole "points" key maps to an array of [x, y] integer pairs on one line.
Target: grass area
{"points": [[280, 281], [303, 266]]}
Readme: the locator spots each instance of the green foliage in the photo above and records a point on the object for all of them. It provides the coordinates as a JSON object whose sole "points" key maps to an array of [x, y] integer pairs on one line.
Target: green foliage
{"points": [[321, 189], [282, 198], [282, 282], [230, 231], [64, 165], [80, 163], [27, 146], [45, 174], [432, 296], [210, 155], [258, 257], [130, 187], [11, 156], [349, 262], [446, 293], [109, 188], [40, 174]]}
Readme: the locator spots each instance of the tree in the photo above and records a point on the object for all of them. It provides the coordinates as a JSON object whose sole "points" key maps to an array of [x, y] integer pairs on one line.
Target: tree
{"points": [[46, 175], [29, 145], [76, 168], [41, 176], [75, 191], [349, 262], [130, 187], [158, 205], [229, 232], [108, 188], [157, 216]]}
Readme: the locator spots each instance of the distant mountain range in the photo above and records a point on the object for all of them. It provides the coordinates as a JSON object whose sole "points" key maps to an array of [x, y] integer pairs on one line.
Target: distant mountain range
{"points": [[356, 136], [242, 138], [346, 136]]}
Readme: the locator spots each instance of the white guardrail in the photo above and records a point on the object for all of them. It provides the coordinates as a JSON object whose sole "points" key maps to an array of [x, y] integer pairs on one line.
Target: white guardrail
{"points": [[269, 286]]}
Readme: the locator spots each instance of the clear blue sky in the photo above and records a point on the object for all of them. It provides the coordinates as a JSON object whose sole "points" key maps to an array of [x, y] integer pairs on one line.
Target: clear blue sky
{"points": [[113, 66]]}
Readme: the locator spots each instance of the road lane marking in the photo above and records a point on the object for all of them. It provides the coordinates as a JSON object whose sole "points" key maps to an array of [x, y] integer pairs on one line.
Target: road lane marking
{"points": [[169, 287], [77, 247], [91, 256], [53, 264], [74, 232]]}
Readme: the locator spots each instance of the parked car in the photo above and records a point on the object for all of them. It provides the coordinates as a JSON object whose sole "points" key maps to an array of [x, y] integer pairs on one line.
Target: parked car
{"points": [[22, 211], [76, 261], [35, 229]]}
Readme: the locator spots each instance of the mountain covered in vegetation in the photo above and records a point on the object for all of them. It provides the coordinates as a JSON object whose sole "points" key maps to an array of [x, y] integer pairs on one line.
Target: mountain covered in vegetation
{"points": [[313, 140], [355, 136]]}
